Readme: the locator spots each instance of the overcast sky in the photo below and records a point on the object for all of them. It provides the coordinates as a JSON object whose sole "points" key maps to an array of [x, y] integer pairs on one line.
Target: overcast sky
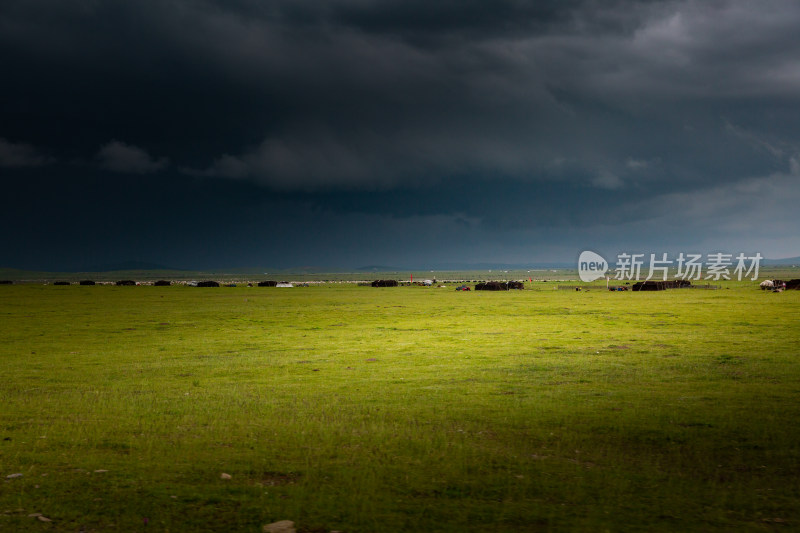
{"points": [[344, 133]]}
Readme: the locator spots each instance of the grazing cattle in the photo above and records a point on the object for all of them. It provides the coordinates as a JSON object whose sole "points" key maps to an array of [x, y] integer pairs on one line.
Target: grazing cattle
{"points": [[61, 283], [162, 283], [492, 286], [267, 283], [384, 283], [126, 282], [87, 282], [6, 282], [518, 285], [767, 284], [207, 283]]}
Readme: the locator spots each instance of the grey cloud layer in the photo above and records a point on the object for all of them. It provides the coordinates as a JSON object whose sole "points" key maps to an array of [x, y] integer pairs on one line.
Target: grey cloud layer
{"points": [[373, 94], [577, 99]]}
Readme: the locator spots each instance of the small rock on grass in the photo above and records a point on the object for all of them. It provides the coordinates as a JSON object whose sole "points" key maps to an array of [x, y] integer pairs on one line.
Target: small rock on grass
{"points": [[43, 519], [225, 476], [13, 476], [283, 526]]}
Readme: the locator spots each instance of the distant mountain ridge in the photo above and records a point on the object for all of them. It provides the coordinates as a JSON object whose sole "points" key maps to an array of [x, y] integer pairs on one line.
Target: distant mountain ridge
{"points": [[145, 266], [506, 266], [124, 265], [785, 261], [449, 267], [380, 268]]}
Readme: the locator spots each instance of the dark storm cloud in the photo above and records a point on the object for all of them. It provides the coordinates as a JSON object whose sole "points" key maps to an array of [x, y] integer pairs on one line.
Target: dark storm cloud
{"points": [[120, 157], [378, 101], [475, 116], [308, 95], [21, 155]]}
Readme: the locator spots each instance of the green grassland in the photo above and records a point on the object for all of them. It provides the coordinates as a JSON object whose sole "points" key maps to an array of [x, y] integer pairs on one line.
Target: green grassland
{"points": [[398, 409]]}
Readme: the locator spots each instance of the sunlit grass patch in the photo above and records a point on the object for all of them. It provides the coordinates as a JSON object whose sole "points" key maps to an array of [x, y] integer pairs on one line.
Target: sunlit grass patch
{"points": [[363, 409]]}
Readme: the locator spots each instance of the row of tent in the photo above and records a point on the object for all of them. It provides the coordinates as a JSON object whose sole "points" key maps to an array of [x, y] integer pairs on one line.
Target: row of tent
{"points": [[260, 284], [484, 286], [500, 286], [166, 283], [653, 285]]}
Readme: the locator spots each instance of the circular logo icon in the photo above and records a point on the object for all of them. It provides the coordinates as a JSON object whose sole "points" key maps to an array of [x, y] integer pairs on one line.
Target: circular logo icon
{"points": [[591, 266]]}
